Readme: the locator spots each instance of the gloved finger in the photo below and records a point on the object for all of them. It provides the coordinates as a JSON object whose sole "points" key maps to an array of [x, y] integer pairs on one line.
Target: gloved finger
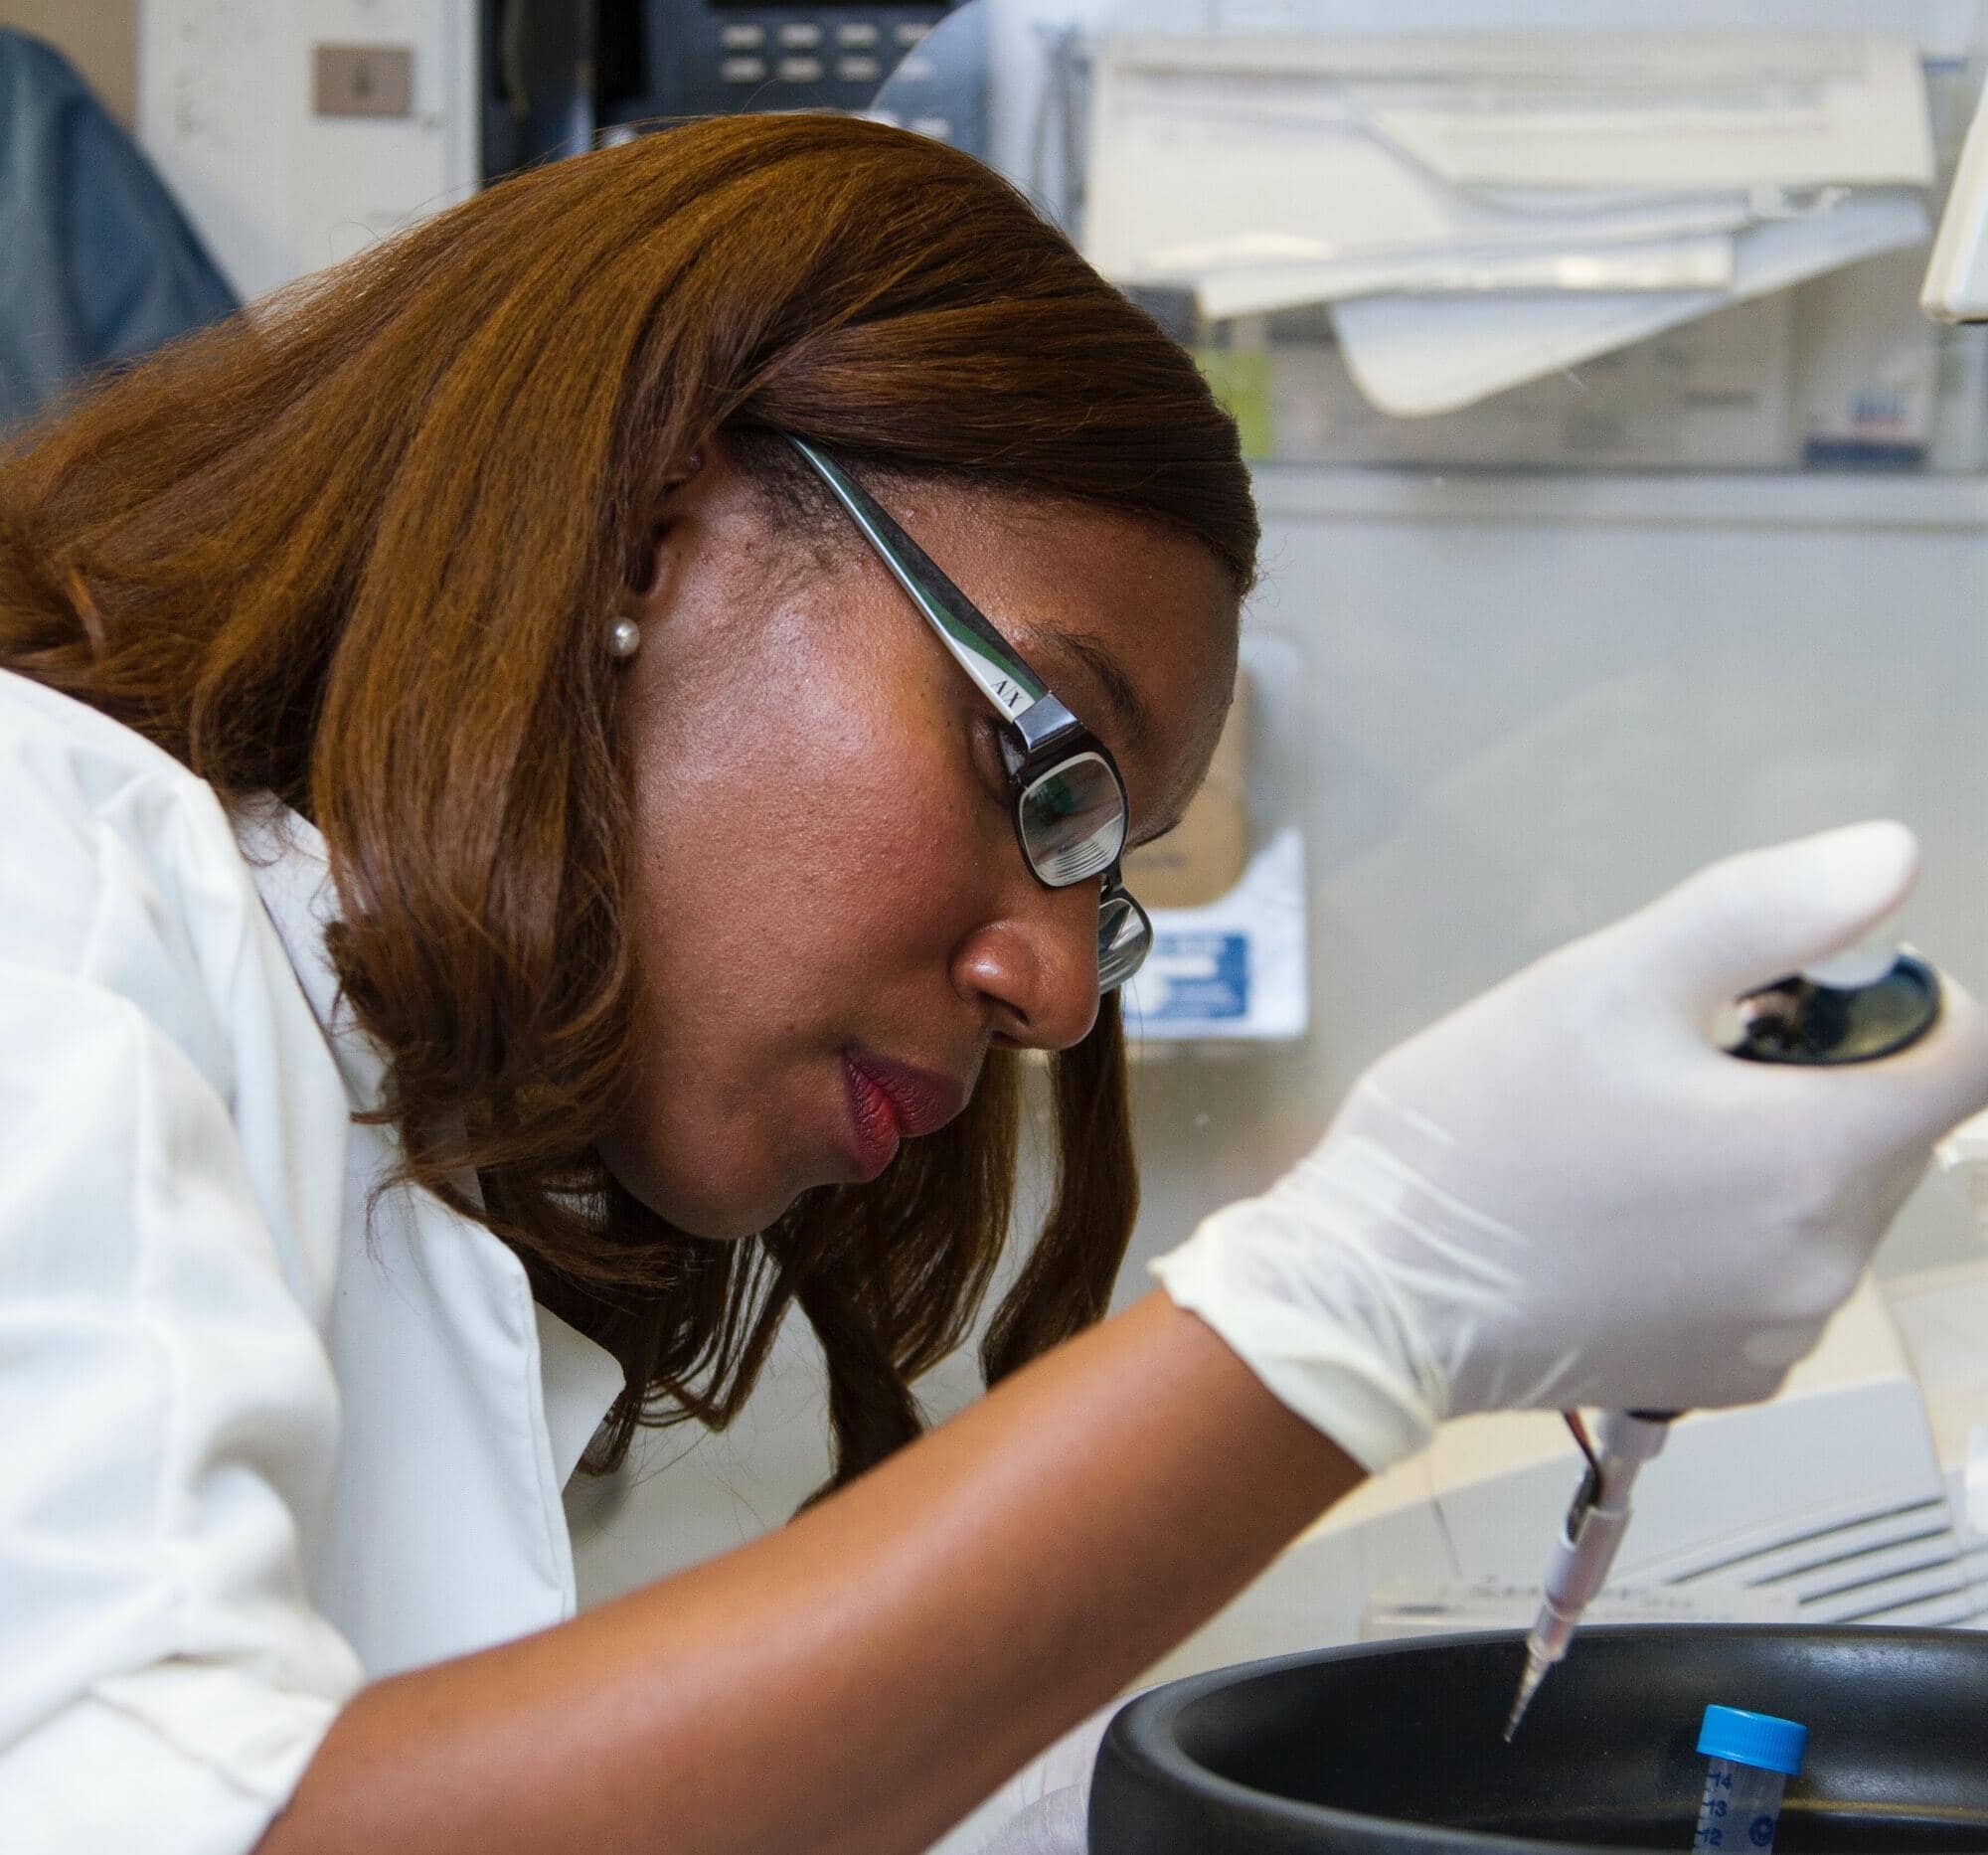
{"points": [[1748, 920]]}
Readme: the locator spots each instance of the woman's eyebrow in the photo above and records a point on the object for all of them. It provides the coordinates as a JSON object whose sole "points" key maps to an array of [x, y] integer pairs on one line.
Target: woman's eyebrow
{"points": [[1119, 692]]}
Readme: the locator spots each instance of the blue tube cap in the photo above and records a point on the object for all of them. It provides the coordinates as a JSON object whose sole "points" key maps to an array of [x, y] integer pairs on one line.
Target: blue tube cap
{"points": [[1757, 1739]]}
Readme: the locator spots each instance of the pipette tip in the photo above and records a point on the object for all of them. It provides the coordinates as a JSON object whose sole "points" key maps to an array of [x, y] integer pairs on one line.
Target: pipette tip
{"points": [[1529, 1685]]}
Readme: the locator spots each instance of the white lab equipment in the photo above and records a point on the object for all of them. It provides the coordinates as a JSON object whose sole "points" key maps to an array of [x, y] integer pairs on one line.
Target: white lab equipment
{"points": [[1827, 1504], [1482, 210], [1223, 158]]}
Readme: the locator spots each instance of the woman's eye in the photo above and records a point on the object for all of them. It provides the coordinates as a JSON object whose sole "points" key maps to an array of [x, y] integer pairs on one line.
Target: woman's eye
{"points": [[985, 738]]}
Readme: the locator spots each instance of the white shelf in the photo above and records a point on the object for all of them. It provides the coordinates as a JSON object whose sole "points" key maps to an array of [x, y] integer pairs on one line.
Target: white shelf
{"points": [[1619, 498]]}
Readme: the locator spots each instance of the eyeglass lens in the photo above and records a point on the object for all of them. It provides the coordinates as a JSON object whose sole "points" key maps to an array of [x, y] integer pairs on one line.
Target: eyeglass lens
{"points": [[1122, 940], [1074, 820]]}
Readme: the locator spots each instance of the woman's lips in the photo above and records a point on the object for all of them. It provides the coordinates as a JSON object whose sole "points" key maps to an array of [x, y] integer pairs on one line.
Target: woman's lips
{"points": [[871, 1120], [891, 1101]]}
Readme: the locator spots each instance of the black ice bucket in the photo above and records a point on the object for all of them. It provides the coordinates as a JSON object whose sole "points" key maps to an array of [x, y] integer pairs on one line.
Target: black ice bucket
{"points": [[1395, 1749]]}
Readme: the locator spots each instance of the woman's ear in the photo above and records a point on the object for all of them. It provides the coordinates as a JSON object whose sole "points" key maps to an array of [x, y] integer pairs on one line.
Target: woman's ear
{"points": [[651, 569]]}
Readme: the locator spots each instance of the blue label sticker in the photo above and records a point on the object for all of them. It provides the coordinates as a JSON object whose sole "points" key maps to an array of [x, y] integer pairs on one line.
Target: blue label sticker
{"points": [[1202, 976]]}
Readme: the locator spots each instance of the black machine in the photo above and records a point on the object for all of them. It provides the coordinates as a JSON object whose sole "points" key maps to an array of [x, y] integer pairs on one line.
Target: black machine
{"points": [[559, 76], [1395, 1748]]}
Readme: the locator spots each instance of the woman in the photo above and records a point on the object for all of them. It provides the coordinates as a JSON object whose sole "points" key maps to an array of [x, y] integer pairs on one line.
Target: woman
{"points": [[505, 894]]}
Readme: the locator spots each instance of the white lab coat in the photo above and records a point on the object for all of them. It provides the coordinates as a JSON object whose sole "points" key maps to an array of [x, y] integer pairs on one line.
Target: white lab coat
{"points": [[250, 1458], [257, 1449]]}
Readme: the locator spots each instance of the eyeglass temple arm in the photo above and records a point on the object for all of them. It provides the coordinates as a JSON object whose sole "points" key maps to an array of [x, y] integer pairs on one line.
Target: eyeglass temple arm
{"points": [[994, 664]]}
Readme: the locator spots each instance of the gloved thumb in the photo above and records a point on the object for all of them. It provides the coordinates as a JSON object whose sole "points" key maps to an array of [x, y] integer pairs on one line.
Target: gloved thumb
{"points": [[1746, 921]]}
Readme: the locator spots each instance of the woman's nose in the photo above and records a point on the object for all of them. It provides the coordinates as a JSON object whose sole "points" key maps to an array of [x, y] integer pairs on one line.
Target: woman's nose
{"points": [[1035, 968]]}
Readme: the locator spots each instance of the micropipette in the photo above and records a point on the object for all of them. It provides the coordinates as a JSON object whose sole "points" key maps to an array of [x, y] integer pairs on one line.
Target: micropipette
{"points": [[1854, 1009], [1595, 1523]]}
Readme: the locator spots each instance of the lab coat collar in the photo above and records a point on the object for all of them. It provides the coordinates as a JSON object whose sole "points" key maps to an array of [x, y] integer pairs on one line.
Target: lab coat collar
{"points": [[291, 869]]}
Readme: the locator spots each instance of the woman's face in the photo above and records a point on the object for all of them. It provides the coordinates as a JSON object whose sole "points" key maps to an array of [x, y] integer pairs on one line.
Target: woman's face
{"points": [[833, 922]]}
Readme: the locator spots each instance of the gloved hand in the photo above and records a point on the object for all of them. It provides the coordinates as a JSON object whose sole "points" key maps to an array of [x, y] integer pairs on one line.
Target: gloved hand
{"points": [[1567, 1194]]}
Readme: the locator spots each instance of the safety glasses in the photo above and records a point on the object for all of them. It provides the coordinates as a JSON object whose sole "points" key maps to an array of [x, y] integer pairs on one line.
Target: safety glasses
{"points": [[1069, 801]]}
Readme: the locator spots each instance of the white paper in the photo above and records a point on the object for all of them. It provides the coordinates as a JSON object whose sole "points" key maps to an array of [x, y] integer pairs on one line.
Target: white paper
{"points": [[1690, 111], [1189, 175], [1705, 264], [1212, 150], [1415, 355]]}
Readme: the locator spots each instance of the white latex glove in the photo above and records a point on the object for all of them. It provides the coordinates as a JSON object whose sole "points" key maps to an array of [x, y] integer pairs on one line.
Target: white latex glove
{"points": [[1567, 1194]]}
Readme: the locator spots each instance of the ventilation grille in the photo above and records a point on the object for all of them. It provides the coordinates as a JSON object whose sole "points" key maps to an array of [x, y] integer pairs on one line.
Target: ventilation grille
{"points": [[1909, 1562]]}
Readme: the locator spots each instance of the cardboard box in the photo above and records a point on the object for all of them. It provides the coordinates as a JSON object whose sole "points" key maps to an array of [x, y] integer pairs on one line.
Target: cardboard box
{"points": [[1204, 858]]}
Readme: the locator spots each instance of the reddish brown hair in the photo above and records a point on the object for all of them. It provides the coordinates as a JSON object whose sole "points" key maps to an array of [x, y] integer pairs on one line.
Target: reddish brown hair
{"points": [[353, 550]]}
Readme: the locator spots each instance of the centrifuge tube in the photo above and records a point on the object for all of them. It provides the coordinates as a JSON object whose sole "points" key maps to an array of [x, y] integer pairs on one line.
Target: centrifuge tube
{"points": [[1751, 1756]]}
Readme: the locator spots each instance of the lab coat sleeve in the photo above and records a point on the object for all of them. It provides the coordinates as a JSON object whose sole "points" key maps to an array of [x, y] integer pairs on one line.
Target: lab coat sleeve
{"points": [[168, 1410]]}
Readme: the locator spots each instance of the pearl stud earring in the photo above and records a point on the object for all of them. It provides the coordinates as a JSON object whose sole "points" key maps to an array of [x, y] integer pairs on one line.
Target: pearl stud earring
{"points": [[624, 638]]}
